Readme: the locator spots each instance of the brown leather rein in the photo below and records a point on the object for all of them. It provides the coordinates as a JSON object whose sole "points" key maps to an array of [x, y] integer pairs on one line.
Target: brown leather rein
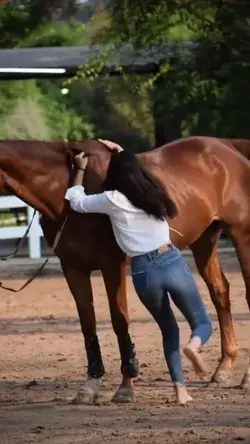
{"points": [[38, 271]]}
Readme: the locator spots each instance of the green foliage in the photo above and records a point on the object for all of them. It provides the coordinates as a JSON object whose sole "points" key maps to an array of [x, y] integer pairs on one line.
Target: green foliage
{"points": [[63, 121], [116, 112], [25, 121], [56, 34], [32, 109], [206, 90], [198, 92], [28, 112], [14, 25], [19, 20]]}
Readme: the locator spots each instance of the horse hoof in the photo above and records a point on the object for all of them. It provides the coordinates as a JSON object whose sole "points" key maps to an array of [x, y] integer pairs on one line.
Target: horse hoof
{"points": [[85, 396], [123, 395], [222, 377], [245, 383]]}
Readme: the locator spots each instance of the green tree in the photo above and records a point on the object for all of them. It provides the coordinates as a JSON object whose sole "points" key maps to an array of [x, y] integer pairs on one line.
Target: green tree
{"points": [[27, 109], [27, 112], [19, 19], [205, 90]]}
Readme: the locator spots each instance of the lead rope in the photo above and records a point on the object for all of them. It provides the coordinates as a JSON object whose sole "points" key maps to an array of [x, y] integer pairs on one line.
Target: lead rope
{"points": [[38, 271], [21, 242]]}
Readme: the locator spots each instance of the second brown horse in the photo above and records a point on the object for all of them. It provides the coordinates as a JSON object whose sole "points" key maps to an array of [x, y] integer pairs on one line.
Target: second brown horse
{"points": [[209, 181]]}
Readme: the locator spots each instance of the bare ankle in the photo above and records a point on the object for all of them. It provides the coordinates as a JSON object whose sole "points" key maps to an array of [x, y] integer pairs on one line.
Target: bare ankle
{"points": [[182, 396], [195, 343]]}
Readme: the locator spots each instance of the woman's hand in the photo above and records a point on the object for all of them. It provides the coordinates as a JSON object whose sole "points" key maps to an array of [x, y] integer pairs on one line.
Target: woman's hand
{"points": [[112, 146], [81, 160]]}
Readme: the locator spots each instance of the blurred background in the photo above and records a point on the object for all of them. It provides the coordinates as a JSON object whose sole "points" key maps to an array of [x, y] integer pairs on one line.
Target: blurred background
{"points": [[196, 81]]}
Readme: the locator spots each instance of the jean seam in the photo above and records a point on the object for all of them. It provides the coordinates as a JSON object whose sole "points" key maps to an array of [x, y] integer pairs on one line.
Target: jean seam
{"points": [[139, 272], [147, 273], [169, 261]]}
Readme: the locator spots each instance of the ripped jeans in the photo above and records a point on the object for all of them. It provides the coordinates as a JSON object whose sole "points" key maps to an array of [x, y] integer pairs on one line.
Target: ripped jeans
{"points": [[155, 277]]}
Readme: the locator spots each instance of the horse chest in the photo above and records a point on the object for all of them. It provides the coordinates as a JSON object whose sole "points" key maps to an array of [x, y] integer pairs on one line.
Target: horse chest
{"points": [[86, 240]]}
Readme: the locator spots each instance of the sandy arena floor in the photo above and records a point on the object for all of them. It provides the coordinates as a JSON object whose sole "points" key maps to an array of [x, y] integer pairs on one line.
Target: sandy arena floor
{"points": [[43, 363]]}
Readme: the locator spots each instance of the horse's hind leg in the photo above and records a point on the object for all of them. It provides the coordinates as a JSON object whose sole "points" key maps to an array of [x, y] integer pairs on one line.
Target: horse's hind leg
{"points": [[80, 287], [114, 275], [207, 262], [240, 235]]}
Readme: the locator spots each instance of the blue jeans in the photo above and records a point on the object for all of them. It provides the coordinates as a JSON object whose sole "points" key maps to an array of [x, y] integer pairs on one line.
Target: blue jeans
{"points": [[155, 276]]}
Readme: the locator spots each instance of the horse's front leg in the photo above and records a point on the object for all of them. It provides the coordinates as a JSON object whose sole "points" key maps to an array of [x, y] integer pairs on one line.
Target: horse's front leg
{"points": [[80, 286], [114, 274]]}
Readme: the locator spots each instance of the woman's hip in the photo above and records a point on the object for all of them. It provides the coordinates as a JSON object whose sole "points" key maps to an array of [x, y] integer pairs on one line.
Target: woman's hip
{"points": [[155, 259]]}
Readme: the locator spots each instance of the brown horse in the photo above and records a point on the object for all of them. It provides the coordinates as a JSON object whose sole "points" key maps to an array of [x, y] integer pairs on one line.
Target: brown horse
{"points": [[208, 180]]}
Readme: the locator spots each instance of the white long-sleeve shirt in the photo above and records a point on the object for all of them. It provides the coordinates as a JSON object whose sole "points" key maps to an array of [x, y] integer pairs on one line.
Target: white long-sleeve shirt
{"points": [[135, 232]]}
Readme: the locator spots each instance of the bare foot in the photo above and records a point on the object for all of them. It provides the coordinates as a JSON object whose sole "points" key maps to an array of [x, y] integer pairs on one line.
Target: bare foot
{"points": [[182, 396], [191, 351]]}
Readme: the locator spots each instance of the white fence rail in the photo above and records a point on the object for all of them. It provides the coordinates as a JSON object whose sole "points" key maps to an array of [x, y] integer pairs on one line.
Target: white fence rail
{"points": [[35, 233]]}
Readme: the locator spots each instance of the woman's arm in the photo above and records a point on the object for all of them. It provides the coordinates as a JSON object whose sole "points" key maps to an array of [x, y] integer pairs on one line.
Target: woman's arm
{"points": [[78, 180], [92, 203], [78, 200]]}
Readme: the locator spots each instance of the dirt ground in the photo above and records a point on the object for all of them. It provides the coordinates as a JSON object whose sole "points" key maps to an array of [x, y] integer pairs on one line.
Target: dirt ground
{"points": [[43, 363]]}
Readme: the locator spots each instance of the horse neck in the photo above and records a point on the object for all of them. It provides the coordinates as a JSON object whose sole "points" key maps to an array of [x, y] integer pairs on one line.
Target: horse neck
{"points": [[37, 173]]}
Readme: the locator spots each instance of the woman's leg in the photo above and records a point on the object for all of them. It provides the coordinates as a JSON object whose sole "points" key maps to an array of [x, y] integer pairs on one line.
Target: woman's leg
{"points": [[179, 282], [171, 346], [149, 287]]}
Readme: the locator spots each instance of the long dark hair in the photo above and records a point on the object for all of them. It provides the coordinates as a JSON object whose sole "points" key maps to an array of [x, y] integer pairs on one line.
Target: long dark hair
{"points": [[144, 191]]}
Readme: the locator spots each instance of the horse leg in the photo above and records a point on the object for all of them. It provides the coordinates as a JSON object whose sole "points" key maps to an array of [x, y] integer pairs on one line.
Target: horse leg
{"points": [[114, 276], [207, 262], [240, 235], [80, 286]]}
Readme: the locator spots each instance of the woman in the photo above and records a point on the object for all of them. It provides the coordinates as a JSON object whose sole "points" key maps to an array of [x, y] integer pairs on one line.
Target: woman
{"points": [[139, 207]]}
